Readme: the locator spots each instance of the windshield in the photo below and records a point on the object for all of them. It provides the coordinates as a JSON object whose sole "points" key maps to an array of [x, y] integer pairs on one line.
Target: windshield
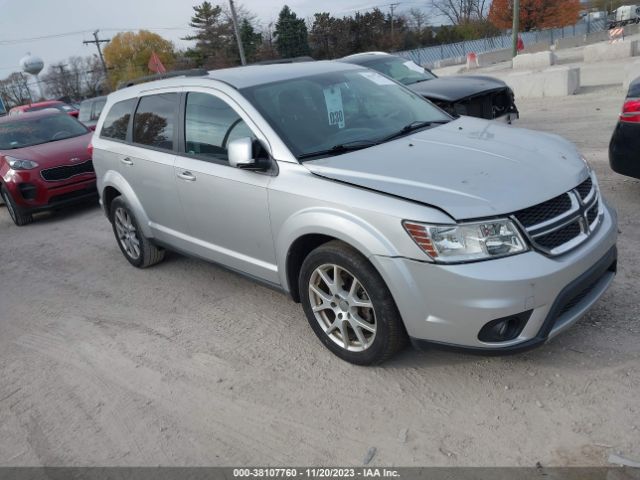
{"points": [[356, 107], [25, 133], [401, 70]]}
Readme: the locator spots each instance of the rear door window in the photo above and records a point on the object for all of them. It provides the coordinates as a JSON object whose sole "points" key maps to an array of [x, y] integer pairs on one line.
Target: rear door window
{"points": [[117, 121], [154, 121]]}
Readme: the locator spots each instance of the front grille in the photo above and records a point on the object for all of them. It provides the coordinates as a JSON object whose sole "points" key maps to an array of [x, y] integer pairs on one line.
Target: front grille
{"points": [[584, 189], [66, 171], [593, 213], [557, 225], [544, 211], [559, 237]]}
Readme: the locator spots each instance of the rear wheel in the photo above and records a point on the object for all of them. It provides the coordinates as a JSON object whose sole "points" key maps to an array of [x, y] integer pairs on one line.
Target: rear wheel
{"points": [[348, 305], [136, 248], [18, 218]]}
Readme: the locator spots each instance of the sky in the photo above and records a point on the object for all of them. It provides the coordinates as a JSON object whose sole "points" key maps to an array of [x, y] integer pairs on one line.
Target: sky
{"points": [[26, 19]]}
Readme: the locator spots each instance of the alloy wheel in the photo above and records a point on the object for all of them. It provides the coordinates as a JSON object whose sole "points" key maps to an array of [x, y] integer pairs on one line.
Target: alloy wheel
{"points": [[127, 233], [342, 307]]}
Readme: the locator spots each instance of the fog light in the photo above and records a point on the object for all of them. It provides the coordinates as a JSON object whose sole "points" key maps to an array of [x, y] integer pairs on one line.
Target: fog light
{"points": [[504, 329], [28, 191]]}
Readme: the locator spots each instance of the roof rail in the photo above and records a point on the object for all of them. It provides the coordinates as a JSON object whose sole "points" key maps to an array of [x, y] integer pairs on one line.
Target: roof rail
{"points": [[285, 60], [194, 72]]}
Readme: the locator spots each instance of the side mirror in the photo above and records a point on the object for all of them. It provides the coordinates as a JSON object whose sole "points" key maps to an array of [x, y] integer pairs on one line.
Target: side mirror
{"points": [[240, 153]]}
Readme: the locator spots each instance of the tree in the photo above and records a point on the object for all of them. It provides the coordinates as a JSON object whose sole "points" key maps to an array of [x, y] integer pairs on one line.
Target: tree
{"points": [[14, 90], [76, 78], [127, 54], [535, 14], [460, 12], [213, 36], [251, 40], [291, 34], [417, 19]]}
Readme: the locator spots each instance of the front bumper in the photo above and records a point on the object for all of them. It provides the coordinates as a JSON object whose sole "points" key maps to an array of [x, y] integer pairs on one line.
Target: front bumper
{"points": [[449, 304], [32, 194]]}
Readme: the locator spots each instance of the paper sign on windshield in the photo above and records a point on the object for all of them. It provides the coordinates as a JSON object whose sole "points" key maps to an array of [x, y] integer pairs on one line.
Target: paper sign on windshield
{"points": [[412, 66], [333, 101], [377, 78]]}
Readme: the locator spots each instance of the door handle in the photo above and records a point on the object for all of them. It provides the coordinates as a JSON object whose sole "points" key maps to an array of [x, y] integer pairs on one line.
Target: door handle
{"points": [[188, 176], [127, 161]]}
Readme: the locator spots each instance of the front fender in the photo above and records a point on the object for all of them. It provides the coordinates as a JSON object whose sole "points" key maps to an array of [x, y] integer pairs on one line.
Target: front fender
{"points": [[117, 181], [344, 226]]}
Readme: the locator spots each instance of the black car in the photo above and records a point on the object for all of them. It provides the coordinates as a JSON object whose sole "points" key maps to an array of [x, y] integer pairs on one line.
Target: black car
{"points": [[624, 149], [90, 111], [475, 96]]}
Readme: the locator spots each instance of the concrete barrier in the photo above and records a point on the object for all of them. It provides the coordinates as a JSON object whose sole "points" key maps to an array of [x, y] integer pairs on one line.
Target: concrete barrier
{"points": [[534, 61], [448, 62], [597, 37], [631, 30], [537, 47], [605, 52], [631, 72], [497, 56], [552, 82]]}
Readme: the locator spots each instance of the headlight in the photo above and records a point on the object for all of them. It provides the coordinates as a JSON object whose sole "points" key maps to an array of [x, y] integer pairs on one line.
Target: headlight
{"points": [[19, 164], [467, 241]]}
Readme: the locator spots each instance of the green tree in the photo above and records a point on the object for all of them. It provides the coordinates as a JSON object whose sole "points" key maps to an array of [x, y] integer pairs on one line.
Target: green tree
{"points": [[251, 40], [291, 34], [127, 54], [213, 36]]}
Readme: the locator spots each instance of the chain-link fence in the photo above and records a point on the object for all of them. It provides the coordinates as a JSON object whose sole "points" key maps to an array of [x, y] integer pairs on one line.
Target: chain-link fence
{"points": [[428, 56]]}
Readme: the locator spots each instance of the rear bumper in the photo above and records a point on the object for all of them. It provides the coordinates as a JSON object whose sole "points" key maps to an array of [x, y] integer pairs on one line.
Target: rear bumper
{"points": [[624, 150], [448, 305]]}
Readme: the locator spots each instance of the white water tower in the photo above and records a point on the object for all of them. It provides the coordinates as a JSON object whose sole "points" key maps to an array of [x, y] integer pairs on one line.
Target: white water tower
{"points": [[33, 66]]}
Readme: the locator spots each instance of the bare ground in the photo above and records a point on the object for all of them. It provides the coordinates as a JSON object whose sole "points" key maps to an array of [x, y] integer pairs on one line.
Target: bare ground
{"points": [[187, 364]]}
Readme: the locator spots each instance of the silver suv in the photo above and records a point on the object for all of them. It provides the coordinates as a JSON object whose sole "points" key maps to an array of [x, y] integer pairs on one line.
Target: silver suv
{"points": [[386, 218]]}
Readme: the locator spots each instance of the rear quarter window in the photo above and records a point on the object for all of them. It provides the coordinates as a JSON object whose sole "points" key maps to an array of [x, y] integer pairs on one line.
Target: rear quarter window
{"points": [[116, 123]]}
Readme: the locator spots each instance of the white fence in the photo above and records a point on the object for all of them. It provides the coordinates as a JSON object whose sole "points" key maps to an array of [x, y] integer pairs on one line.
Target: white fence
{"points": [[428, 56]]}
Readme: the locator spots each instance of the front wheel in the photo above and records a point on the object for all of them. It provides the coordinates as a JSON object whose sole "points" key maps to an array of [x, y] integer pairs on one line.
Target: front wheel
{"points": [[349, 306], [136, 248], [20, 219]]}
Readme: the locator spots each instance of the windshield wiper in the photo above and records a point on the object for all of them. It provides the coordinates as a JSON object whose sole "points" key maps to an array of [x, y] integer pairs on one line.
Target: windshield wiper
{"points": [[412, 127], [341, 148], [420, 80]]}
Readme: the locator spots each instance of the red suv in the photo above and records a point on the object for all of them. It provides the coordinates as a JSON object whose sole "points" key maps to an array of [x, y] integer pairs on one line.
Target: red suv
{"points": [[56, 104], [45, 163]]}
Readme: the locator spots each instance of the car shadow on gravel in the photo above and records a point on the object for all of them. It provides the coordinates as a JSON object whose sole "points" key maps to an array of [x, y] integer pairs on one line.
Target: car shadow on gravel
{"points": [[65, 212]]}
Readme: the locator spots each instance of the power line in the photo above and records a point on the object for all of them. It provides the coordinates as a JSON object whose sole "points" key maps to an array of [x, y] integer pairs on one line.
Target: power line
{"points": [[16, 41]]}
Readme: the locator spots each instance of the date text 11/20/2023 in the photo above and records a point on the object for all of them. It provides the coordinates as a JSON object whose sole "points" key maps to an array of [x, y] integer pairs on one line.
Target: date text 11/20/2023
{"points": [[315, 473]]}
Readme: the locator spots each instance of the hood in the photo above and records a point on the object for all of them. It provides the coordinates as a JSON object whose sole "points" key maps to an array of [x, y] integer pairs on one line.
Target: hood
{"points": [[56, 153], [470, 168], [454, 89]]}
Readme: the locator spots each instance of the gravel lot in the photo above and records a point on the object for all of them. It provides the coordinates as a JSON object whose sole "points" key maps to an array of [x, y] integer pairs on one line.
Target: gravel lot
{"points": [[187, 364]]}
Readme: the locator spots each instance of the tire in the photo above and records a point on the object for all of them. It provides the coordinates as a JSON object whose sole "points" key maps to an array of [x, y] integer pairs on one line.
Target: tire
{"points": [[368, 304], [20, 219], [135, 247]]}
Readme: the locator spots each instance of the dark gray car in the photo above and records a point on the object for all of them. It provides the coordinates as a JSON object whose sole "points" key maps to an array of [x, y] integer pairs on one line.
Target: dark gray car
{"points": [[475, 96]]}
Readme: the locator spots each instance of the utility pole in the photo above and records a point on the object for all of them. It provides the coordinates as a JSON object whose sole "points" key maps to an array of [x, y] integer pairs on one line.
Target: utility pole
{"points": [[516, 26], [392, 7], [97, 41], [243, 60]]}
